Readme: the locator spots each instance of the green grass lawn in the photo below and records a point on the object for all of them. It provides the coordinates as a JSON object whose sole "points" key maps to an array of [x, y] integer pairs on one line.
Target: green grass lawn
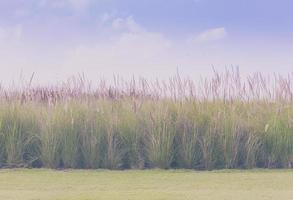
{"points": [[149, 185]]}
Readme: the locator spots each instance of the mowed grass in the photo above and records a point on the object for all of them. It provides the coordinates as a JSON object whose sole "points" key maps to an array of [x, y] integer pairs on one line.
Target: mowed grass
{"points": [[149, 184]]}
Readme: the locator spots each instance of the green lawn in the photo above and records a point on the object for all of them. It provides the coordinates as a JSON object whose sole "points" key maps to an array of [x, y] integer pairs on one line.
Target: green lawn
{"points": [[149, 185]]}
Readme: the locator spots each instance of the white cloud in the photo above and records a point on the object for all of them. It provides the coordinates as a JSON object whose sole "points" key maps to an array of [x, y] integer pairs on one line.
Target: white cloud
{"points": [[76, 5], [127, 24], [131, 50], [211, 35], [11, 33]]}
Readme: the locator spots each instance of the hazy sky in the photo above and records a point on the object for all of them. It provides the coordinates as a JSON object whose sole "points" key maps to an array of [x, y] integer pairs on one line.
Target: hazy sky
{"points": [[151, 38]]}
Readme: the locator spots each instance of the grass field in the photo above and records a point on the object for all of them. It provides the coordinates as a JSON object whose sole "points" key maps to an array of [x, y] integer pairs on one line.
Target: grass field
{"points": [[149, 184]]}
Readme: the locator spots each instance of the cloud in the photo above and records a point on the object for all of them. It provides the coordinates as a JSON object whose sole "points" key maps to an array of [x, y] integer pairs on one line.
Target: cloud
{"points": [[76, 5], [211, 35], [11, 33], [105, 17], [131, 50], [123, 46], [127, 24]]}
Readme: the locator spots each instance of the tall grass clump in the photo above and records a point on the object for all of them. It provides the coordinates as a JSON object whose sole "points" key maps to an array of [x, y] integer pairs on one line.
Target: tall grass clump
{"points": [[2, 147], [51, 145], [19, 142], [93, 133], [160, 130], [226, 121], [131, 139]]}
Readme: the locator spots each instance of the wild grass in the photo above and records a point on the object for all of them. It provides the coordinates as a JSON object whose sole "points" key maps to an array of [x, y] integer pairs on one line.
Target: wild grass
{"points": [[227, 121]]}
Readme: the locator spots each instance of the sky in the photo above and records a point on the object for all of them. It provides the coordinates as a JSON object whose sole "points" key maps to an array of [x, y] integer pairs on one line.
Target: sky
{"points": [[55, 39]]}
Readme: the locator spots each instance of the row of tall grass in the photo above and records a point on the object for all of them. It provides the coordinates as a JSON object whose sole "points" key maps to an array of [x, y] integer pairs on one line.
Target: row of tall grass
{"points": [[226, 121]]}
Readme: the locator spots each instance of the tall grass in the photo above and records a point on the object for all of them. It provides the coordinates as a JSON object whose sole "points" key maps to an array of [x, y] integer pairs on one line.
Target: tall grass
{"points": [[227, 121]]}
